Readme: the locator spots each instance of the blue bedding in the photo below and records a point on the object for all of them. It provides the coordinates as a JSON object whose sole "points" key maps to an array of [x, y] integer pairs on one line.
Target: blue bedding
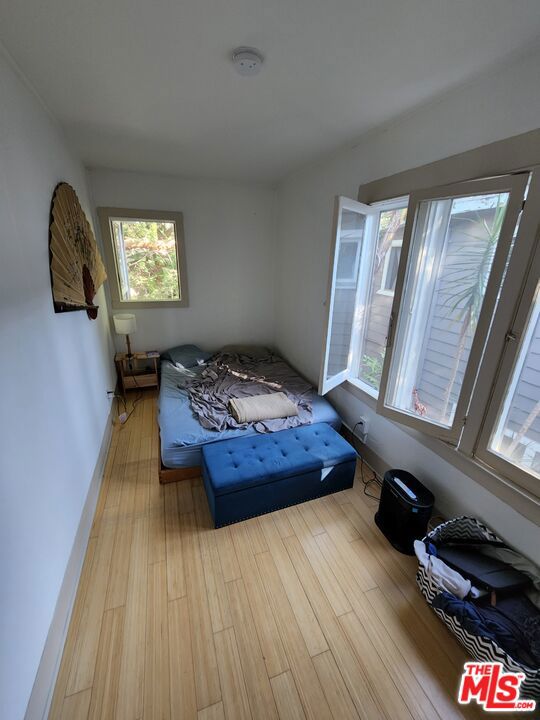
{"points": [[181, 433]]}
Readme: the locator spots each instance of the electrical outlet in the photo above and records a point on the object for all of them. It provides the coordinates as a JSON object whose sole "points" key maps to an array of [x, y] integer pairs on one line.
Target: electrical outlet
{"points": [[110, 394], [361, 429]]}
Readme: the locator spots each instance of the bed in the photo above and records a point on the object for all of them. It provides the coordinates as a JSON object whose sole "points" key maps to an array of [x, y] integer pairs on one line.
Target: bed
{"points": [[181, 433]]}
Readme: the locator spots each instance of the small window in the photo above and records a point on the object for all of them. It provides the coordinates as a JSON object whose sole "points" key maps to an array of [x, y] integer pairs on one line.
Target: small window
{"points": [[390, 268], [349, 257], [145, 256]]}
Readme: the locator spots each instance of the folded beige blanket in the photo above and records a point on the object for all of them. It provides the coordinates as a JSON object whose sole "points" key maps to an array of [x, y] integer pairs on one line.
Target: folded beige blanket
{"points": [[262, 407]]}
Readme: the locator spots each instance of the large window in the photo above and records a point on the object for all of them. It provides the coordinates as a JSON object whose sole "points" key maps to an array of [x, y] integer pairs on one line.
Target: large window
{"points": [[516, 434], [434, 270], [452, 243], [144, 252], [509, 437]]}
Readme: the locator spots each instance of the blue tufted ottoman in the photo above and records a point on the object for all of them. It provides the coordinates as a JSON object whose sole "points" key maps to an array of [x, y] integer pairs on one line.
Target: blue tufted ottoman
{"points": [[249, 476]]}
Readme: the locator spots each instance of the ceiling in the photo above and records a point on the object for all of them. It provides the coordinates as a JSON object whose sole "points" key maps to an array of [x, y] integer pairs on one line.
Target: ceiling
{"points": [[148, 84]]}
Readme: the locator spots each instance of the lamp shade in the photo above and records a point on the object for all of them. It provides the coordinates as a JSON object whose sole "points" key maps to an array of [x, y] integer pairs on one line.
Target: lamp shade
{"points": [[125, 323]]}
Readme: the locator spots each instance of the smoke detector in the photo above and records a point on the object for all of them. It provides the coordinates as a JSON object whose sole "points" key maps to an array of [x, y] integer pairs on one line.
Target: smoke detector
{"points": [[247, 61]]}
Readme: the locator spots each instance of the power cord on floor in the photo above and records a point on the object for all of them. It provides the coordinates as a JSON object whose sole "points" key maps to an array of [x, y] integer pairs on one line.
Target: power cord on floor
{"points": [[126, 415], [374, 478], [120, 399]]}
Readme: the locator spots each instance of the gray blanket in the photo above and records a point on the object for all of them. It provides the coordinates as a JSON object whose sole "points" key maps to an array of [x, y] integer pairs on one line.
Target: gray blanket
{"points": [[229, 376]]}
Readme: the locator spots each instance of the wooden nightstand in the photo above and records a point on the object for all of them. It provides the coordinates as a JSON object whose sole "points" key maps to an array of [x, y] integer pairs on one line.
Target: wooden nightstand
{"points": [[141, 371]]}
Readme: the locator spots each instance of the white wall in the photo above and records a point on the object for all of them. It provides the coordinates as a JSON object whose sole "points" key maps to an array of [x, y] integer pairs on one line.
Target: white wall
{"points": [[504, 104], [55, 371], [56, 368], [229, 241]]}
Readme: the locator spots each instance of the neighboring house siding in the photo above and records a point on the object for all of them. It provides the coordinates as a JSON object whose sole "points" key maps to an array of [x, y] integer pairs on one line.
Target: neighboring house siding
{"points": [[342, 321], [377, 328], [380, 309], [442, 344], [527, 395]]}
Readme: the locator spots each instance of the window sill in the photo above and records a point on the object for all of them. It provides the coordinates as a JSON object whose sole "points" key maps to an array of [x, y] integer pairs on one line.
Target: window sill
{"points": [[145, 304], [362, 392], [519, 499]]}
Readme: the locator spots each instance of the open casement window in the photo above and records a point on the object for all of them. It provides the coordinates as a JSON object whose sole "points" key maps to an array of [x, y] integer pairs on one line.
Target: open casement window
{"points": [[509, 440], [455, 250], [353, 223]]}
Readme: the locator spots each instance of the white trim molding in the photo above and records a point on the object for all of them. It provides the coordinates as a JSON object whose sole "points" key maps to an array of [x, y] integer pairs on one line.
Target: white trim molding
{"points": [[42, 691]]}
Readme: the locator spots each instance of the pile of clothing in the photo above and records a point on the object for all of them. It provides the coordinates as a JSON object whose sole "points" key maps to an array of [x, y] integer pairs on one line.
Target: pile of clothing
{"points": [[511, 619]]}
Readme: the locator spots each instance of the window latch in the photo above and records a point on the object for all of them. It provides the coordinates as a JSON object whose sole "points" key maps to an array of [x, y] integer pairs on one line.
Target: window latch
{"points": [[511, 336], [389, 331]]}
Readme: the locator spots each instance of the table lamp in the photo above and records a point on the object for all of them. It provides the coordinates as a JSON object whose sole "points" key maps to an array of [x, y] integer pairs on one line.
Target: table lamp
{"points": [[125, 324]]}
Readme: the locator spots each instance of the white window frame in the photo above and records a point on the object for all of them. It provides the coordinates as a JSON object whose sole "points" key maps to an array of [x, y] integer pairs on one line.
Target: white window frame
{"points": [[326, 382], [363, 280], [366, 279], [468, 448], [515, 185], [115, 267], [383, 290], [350, 282], [508, 333]]}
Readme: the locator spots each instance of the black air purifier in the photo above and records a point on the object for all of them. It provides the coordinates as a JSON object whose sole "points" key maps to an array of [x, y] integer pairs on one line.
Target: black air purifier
{"points": [[404, 509]]}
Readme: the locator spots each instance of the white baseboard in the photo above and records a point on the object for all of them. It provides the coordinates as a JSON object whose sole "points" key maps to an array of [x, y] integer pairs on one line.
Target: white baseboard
{"points": [[42, 691]]}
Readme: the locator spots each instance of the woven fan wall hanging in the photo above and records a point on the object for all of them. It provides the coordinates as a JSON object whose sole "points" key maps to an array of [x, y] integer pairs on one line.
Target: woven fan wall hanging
{"points": [[77, 271]]}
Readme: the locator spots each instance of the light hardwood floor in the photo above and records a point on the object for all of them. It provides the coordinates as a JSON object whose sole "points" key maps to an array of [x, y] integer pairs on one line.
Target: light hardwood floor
{"points": [[303, 613]]}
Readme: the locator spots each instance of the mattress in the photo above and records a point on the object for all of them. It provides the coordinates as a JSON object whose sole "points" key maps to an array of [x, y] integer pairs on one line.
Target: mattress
{"points": [[182, 436]]}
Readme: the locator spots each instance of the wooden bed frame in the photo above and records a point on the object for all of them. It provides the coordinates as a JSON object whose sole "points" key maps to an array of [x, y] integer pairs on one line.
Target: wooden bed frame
{"points": [[170, 475]]}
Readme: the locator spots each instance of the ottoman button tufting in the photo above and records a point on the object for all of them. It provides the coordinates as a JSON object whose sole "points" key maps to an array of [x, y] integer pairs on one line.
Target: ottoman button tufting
{"points": [[266, 483]]}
